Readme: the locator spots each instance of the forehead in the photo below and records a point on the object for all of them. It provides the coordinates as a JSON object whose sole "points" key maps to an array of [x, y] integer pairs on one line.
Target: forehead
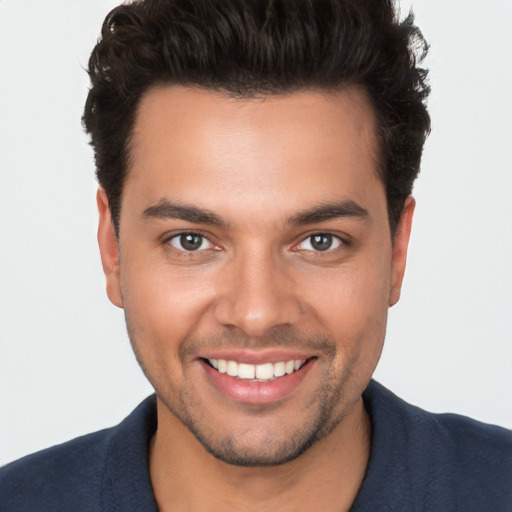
{"points": [[196, 145]]}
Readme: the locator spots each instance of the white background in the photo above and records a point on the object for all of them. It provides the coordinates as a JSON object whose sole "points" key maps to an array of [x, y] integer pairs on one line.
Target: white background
{"points": [[66, 367]]}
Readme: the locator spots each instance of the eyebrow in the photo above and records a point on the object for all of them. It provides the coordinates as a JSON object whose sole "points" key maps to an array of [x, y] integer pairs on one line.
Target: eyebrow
{"points": [[166, 209], [325, 212]]}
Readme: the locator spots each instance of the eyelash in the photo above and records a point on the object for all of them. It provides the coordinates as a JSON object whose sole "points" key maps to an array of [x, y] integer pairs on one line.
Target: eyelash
{"points": [[334, 238], [177, 236]]}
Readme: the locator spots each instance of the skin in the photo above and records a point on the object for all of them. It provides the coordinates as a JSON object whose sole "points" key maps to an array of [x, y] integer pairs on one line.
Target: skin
{"points": [[256, 288]]}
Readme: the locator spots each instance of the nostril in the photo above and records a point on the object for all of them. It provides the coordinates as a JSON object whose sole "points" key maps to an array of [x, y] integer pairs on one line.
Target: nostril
{"points": [[255, 301]]}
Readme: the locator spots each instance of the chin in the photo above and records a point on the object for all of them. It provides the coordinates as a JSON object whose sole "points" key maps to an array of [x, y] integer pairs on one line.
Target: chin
{"points": [[269, 443]]}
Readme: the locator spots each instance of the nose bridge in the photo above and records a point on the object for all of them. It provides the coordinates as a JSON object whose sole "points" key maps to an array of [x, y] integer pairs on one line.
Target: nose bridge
{"points": [[258, 293]]}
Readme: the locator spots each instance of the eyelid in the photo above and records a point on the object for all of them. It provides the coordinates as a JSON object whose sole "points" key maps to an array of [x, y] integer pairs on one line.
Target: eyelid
{"points": [[342, 241], [166, 240]]}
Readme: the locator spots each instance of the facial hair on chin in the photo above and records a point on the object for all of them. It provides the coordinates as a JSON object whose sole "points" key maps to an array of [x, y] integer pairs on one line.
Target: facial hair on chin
{"points": [[323, 413]]}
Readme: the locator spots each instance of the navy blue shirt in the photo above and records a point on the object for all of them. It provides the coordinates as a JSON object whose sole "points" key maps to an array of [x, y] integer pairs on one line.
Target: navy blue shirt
{"points": [[419, 462]]}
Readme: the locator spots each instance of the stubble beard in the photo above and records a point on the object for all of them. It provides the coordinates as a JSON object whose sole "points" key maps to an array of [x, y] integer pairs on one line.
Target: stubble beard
{"points": [[271, 450], [323, 411]]}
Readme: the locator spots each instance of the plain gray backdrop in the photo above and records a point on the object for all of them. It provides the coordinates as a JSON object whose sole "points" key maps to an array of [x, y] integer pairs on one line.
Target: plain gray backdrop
{"points": [[66, 366]]}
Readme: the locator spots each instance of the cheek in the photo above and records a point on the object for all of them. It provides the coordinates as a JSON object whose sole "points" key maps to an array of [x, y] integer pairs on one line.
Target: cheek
{"points": [[163, 305], [353, 304]]}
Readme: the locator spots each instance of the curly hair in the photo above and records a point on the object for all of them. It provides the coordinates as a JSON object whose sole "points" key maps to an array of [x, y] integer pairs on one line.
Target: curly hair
{"points": [[258, 47]]}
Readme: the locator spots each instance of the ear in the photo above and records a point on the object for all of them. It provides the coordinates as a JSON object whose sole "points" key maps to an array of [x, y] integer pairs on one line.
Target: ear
{"points": [[109, 249], [400, 245]]}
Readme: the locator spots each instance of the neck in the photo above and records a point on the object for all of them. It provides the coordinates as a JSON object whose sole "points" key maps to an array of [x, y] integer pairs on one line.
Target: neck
{"points": [[326, 477]]}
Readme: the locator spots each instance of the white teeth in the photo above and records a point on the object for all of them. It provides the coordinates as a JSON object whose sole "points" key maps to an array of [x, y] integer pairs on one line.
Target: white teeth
{"points": [[246, 371], [279, 369], [232, 369], [260, 372], [265, 371]]}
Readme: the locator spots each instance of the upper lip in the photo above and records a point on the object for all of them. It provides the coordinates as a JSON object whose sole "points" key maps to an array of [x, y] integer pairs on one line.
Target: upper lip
{"points": [[257, 357]]}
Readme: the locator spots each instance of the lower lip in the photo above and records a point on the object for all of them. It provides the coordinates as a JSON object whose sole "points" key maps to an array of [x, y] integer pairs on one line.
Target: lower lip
{"points": [[257, 392]]}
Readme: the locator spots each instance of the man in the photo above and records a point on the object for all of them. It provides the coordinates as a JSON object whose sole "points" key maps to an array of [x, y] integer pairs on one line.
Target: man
{"points": [[255, 162]]}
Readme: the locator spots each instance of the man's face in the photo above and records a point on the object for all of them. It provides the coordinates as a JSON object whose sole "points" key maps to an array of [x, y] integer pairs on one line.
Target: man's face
{"points": [[255, 264]]}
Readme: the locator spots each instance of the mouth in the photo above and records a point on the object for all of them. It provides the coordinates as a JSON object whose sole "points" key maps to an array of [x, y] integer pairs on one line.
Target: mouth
{"points": [[262, 383], [265, 372]]}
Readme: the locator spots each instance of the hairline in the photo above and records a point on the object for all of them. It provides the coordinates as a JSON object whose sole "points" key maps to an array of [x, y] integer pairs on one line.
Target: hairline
{"points": [[258, 94]]}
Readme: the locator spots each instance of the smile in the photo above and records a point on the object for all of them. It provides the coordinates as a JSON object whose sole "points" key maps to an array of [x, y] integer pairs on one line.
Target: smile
{"points": [[256, 372], [257, 378]]}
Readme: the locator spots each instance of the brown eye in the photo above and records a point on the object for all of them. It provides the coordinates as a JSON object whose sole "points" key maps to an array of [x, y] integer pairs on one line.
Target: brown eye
{"points": [[320, 242], [190, 242]]}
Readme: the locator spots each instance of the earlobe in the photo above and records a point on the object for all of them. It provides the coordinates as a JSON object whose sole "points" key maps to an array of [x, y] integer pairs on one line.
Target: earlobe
{"points": [[400, 245], [109, 249]]}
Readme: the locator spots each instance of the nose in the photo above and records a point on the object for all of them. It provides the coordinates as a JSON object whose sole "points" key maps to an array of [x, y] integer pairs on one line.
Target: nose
{"points": [[256, 295]]}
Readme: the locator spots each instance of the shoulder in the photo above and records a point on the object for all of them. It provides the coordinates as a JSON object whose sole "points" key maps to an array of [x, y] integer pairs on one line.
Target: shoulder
{"points": [[473, 440], [105, 470], [449, 461], [475, 459], [65, 475], [454, 431]]}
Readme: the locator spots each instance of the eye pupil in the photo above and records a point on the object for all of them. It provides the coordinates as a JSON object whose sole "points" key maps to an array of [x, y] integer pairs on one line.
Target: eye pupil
{"points": [[191, 242], [321, 242]]}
